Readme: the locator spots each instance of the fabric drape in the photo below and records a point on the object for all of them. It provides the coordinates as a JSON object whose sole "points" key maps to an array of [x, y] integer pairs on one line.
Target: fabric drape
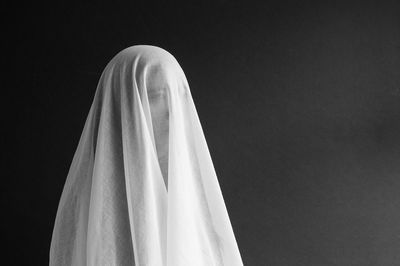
{"points": [[117, 207]]}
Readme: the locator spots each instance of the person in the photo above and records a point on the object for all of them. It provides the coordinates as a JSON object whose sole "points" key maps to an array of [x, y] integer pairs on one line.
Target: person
{"points": [[142, 189]]}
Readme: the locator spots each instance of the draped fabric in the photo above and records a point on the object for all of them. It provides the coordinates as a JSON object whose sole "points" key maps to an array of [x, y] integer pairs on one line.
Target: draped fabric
{"points": [[118, 206]]}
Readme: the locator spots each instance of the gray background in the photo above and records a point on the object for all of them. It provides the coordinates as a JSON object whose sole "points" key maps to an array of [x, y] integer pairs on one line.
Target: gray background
{"points": [[299, 102]]}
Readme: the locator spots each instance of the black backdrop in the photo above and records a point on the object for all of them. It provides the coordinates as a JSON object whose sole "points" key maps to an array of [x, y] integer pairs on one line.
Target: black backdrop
{"points": [[299, 102]]}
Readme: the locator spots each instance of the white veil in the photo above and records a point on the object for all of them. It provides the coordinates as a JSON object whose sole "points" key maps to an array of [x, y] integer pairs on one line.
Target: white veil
{"points": [[115, 208]]}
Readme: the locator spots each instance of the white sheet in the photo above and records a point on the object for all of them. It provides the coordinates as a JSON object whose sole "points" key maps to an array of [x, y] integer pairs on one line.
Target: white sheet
{"points": [[116, 208]]}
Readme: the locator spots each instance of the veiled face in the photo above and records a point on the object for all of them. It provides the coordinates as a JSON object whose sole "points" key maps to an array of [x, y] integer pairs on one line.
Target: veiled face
{"points": [[156, 84], [158, 99]]}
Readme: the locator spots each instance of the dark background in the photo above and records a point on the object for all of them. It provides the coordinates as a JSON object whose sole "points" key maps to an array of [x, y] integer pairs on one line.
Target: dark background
{"points": [[299, 102]]}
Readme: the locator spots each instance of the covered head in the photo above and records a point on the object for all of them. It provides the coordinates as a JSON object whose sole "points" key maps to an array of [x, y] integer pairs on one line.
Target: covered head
{"points": [[155, 75], [142, 189]]}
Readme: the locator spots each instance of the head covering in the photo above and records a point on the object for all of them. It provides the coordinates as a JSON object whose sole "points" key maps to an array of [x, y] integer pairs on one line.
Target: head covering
{"points": [[118, 206]]}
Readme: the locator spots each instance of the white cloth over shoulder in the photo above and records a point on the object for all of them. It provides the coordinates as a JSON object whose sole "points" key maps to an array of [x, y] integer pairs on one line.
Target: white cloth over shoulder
{"points": [[116, 208]]}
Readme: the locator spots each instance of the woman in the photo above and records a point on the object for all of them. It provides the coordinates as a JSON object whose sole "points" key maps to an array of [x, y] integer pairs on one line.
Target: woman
{"points": [[142, 189]]}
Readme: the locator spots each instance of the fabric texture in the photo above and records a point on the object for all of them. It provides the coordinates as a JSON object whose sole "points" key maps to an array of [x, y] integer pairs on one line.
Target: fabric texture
{"points": [[142, 189]]}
